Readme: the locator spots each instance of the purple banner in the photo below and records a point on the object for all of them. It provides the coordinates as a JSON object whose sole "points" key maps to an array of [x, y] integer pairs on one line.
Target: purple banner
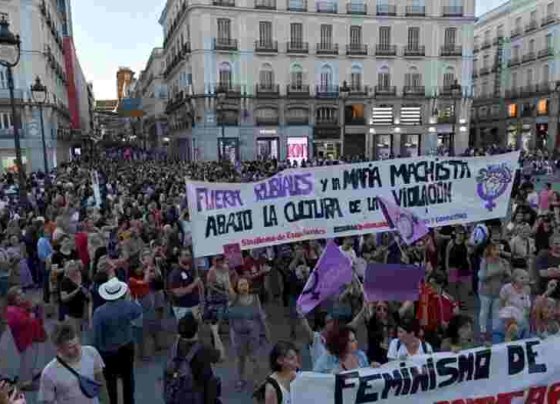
{"points": [[393, 282]]}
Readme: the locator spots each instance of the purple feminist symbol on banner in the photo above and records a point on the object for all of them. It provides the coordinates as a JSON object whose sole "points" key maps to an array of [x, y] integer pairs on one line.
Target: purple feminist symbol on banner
{"points": [[492, 182]]}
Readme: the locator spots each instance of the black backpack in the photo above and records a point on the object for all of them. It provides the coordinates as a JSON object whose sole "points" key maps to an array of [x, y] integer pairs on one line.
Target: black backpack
{"points": [[179, 385], [259, 393]]}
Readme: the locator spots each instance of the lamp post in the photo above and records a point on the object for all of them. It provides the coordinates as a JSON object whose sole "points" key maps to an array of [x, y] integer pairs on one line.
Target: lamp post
{"points": [[221, 96], [456, 92], [343, 93], [40, 95], [10, 51]]}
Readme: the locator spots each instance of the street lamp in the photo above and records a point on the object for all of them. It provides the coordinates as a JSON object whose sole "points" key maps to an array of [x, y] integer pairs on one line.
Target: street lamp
{"points": [[10, 51], [344, 92], [456, 92], [221, 96], [40, 95]]}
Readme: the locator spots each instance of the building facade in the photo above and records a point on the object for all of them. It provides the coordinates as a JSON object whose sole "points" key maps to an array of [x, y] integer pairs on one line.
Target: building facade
{"points": [[45, 28], [300, 78], [516, 76], [152, 91]]}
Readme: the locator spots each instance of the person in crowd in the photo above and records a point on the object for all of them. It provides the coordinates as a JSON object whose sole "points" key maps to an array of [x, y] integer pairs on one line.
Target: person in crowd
{"points": [[459, 334], [247, 323], [26, 326], [202, 356], [543, 230], [9, 393], [342, 352], [522, 247], [113, 337], [544, 318], [284, 364], [315, 337], [185, 287], [516, 306], [458, 268], [547, 263], [44, 254], [493, 274], [59, 379], [74, 296], [408, 342], [545, 197]]}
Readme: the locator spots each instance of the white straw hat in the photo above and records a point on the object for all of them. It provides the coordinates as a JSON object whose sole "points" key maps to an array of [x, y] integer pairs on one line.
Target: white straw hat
{"points": [[113, 289]]}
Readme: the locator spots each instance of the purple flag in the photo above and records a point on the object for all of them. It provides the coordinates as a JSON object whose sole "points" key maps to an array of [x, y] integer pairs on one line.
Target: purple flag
{"points": [[393, 282], [332, 272], [407, 223]]}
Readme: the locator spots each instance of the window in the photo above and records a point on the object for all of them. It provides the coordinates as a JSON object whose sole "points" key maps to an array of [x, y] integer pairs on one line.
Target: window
{"points": [[3, 78], [224, 29], [384, 37], [265, 33], [550, 9], [384, 78], [413, 37], [548, 41], [529, 77], [296, 76], [326, 77], [514, 80], [512, 110], [5, 121], [531, 46], [326, 35], [546, 74], [542, 107], [5, 16], [450, 37], [448, 78], [296, 33], [485, 61], [225, 75], [500, 31], [356, 78], [533, 18], [516, 52], [266, 76], [355, 35], [518, 23], [413, 78]]}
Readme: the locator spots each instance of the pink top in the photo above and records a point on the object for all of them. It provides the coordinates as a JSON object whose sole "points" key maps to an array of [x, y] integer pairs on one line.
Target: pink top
{"points": [[22, 326], [544, 199]]}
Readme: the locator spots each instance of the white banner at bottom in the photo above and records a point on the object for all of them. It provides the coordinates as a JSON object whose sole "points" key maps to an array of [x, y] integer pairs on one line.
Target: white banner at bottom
{"points": [[525, 371]]}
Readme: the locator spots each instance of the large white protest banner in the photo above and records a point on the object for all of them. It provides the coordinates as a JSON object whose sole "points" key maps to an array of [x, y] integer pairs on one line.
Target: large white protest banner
{"points": [[525, 371], [341, 200]]}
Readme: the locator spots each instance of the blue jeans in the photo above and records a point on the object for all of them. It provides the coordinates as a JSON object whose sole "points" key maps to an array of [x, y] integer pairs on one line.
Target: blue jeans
{"points": [[488, 312]]}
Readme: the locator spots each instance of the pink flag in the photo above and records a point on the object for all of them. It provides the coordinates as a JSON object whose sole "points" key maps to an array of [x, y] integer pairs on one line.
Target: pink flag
{"points": [[333, 271], [410, 227]]}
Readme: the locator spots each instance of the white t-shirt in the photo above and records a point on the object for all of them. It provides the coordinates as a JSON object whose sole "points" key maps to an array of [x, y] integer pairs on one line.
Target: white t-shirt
{"points": [[59, 385], [402, 352]]}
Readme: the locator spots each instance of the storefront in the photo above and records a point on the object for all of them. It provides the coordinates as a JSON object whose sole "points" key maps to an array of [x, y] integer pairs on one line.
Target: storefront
{"points": [[268, 148], [512, 136], [526, 137], [445, 141], [326, 143], [354, 145], [410, 145], [297, 150], [228, 149], [542, 136], [383, 147]]}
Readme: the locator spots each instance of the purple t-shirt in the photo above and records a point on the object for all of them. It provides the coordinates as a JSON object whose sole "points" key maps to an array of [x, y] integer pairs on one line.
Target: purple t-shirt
{"points": [[180, 278]]}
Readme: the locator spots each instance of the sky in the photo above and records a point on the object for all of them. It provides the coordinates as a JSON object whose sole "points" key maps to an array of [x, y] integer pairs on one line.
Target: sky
{"points": [[113, 33]]}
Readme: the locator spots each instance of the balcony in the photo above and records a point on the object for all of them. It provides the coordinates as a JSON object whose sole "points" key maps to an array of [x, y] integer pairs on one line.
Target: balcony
{"points": [[297, 47], [297, 120], [326, 7], [515, 32], [533, 25], [452, 11], [415, 11], [546, 52], [514, 61], [356, 49], [484, 71], [528, 57], [231, 90], [326, 121], [356, 8], [295, 90], [476, 48], [414, 91], [451, 50], [474, 73], [386, 10], [357, 90], [297, 5], [327, 48], [385, 91], [497, 40], [385, 50], [486, 44], [512, 93], [326, 91], [266, 46], [267, 90], [267, 120], [450, 91], [549, 19], [224, 3], [265, 4], [185, 49], [414, 51], [227, 44]]}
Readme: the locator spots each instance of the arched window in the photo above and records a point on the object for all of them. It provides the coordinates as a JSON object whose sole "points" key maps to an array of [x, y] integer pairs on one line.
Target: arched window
{"points": [[384, 77], [296, 76], [225, 79], [266, 76], [356, 77], [449, 77], [326, 78], [413, 79]]}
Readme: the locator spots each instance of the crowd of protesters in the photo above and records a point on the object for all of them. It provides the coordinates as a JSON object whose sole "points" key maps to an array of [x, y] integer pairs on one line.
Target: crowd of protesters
{"points": [[110, 271]]}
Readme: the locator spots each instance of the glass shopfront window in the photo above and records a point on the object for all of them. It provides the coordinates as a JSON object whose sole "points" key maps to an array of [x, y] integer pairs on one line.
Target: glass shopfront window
{"points": [[327, 150], [297, 150], [410, 146], [228, 149], [383, 147], [267, 148]]}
